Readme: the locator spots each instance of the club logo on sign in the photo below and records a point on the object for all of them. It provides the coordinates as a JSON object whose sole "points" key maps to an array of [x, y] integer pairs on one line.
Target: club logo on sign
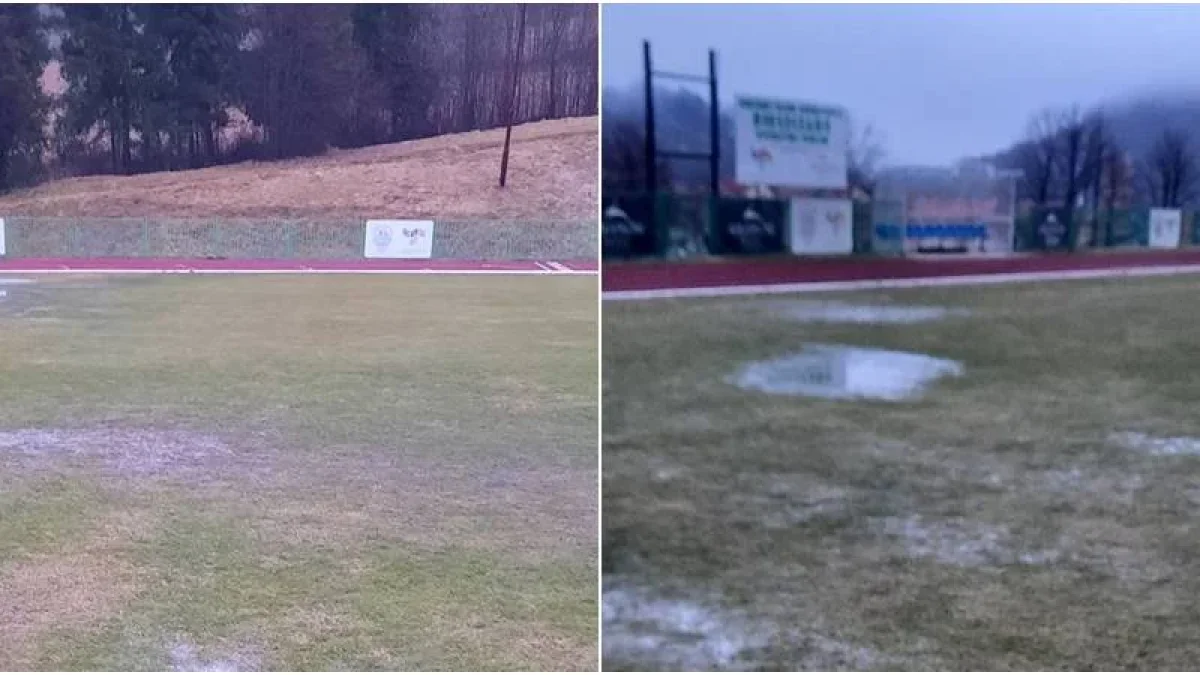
{"points": [[761, 155], [808, 224], [835, 218], [414, 235], [383, 237]]}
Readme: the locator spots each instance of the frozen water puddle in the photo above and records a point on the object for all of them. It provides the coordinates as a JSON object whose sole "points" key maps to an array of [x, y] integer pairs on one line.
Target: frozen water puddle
{"points": [[186, 658], [132, 451], [1157, 446], [651, 631], [960, 543], [841, 312], [838, 372]]}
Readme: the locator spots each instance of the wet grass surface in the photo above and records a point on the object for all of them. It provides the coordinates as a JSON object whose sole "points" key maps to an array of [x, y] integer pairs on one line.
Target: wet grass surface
{"points": [[298, 473], [996, 522]]}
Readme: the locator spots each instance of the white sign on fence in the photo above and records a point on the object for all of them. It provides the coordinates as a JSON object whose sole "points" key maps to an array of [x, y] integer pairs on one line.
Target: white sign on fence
{"points": [[822, 226], [399, 239], [790, 143], [1166, 227], [1, 236]]}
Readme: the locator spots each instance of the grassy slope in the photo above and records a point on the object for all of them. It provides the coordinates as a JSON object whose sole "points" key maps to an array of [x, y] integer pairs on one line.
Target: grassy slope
{"points": [[1052, 371], [411, 484], [552, 176]]}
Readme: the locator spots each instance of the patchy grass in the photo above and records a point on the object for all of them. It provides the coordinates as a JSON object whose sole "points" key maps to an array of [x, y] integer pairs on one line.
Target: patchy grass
{"points": [[354, 473], [1000, 521]]}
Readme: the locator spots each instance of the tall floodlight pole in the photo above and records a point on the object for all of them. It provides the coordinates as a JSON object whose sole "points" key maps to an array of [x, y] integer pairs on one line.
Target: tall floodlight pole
{"points": [[513, 98], [714, 126], [651, 146]]}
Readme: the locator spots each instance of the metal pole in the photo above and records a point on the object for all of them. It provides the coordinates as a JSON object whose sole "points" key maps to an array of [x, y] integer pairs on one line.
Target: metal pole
{"points": [[651, 146], [513, 99], [715, 126]]}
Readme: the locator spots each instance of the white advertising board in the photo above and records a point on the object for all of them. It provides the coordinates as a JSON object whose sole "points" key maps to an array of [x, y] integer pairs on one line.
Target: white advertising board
{"points": [[790, 143], [399, 239], [1166, 226], [822, 226], [1, 236]]}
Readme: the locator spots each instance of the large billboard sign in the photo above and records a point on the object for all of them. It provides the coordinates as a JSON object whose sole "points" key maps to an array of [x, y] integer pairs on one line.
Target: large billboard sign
{"points": [[790, 144]]}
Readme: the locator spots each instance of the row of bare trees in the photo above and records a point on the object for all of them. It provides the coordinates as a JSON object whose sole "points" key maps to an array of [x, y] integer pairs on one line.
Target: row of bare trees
{"points": [[160, 87], [1069, 157]]}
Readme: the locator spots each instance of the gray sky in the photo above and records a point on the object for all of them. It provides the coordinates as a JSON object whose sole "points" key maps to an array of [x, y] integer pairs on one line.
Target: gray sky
{"points": [[939, 81]]}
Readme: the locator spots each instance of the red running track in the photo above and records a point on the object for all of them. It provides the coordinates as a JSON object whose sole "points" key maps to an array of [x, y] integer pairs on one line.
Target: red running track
{"points": [[644, 276], [250, 266]]}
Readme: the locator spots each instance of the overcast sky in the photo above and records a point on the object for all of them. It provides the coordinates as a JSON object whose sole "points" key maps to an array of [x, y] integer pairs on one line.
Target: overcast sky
{"points": [[940, 81]]}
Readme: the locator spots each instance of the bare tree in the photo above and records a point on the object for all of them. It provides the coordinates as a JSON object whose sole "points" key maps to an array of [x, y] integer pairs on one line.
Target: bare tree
{"points": [[1170, 170], [865, 152], [1038, 155]]}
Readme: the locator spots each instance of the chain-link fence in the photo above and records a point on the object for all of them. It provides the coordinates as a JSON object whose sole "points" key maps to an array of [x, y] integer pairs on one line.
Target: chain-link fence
{"points": [[330, 239]]}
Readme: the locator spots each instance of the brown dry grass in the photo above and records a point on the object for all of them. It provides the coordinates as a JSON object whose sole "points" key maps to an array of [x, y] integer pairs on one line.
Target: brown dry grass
{"points": [[70, 589], [552, 176]]}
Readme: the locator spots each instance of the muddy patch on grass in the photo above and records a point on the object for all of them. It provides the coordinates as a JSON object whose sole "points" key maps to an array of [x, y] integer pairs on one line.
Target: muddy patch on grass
{"points": [[839, 372], [840, 312]]}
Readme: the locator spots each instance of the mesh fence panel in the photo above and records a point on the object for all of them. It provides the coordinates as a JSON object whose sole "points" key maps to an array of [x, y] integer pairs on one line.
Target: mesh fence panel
{"points": [[46, 237]]}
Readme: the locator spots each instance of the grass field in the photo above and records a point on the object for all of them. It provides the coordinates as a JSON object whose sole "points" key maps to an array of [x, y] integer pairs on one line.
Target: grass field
{"points": [[1037, 512], [298, 473]]}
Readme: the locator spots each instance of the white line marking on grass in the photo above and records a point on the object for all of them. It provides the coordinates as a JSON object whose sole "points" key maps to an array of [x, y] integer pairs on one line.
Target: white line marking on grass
{"points": [[558, 266], [918, 282]]}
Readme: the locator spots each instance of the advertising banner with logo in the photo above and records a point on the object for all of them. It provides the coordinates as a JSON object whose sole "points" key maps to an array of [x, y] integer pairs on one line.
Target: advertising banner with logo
{"points": [[750, 226], [627, 227], [790, 143], [1166, 228], [1051, 231], [399, 239], [822, 227]]}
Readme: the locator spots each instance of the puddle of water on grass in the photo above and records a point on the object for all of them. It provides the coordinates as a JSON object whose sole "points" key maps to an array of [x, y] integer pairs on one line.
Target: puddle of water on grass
{"points": [[838, 372], [1157, 446], [840, 312]]}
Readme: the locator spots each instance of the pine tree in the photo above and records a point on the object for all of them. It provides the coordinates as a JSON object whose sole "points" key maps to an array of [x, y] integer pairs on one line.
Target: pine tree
{"points": [[23, 105]]}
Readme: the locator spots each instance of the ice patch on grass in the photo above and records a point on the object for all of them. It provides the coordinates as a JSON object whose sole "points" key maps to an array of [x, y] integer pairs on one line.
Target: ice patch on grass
{"points": [[673, 634], [1107, 485], [649, 631], [1158, 446], [961, 543], [837, 372], [185, 658], [840, 312], [133, 451]]}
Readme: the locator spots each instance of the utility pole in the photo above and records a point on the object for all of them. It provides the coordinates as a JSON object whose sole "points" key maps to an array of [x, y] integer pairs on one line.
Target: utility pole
{"points": [[513, 99]]}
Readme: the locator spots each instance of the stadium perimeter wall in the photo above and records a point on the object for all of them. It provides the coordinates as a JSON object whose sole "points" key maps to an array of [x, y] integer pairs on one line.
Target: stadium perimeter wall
{"points": [[287, 239]]}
